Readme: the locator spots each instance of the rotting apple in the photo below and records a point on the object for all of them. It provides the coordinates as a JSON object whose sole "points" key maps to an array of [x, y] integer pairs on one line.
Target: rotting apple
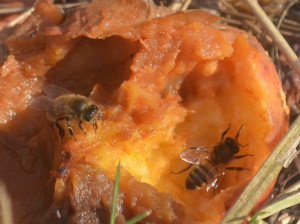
{"points": [[165, 81]]}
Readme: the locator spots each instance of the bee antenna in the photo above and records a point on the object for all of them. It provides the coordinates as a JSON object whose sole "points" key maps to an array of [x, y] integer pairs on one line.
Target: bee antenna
{"points": [[225, 132], [238, 133]]}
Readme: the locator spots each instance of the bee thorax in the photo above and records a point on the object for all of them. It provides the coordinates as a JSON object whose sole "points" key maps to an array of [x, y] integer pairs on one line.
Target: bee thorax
{"points": [[222, 154]]}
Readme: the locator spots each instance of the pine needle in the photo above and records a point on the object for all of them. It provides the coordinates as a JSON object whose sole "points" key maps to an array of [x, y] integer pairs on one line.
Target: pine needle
{"points": [[282, 202], [139, 217], [115, 195]]}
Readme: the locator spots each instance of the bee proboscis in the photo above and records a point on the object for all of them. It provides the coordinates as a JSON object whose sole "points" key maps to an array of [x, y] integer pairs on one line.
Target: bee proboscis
{"points": [[62, 104], [208, 168]]}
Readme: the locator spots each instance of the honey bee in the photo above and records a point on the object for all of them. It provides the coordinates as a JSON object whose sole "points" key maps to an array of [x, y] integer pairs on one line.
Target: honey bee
{"points": [[62, 104], [208, 168]]}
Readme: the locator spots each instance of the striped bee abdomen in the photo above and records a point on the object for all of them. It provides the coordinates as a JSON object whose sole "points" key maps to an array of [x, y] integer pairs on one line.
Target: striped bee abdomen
{"points": [[199, 176]]}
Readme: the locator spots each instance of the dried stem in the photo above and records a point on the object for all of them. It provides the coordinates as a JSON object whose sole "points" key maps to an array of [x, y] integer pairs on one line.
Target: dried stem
{"points": [[284, 12], [255, 28], [279, 23], [20, 18], [12, 9], [180, 4], [284, 23], [275, 34]]}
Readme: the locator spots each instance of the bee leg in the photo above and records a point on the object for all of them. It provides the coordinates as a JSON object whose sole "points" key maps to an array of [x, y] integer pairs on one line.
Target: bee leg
{"points": [[225, 132], [81, 127], [236, 168], [100, 117], [215, 186], [61, 130], [242, 145], [95, 126], [66, 156], [185, 169], [70, 128], [58, 215], [242, 156]]}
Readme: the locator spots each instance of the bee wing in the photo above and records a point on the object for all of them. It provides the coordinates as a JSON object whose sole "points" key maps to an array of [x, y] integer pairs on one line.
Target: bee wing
{"points": [[54, 91], [194, 155], [61, 108], [40, 103]]}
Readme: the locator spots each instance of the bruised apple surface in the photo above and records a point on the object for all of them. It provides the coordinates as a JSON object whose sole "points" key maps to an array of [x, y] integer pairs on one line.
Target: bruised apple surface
{"points": [[164, 81]]}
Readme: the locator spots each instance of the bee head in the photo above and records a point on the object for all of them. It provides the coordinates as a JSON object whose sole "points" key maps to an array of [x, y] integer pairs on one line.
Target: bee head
{"points": [[91, 113], [232, 145]]}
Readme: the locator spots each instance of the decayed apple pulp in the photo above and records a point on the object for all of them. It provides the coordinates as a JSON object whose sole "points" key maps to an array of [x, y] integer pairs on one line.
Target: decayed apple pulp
{"points": [[164, 81]]}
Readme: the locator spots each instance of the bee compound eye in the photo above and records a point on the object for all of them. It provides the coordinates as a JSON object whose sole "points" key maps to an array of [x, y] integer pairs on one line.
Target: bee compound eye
{"points": [[94, 107]]}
